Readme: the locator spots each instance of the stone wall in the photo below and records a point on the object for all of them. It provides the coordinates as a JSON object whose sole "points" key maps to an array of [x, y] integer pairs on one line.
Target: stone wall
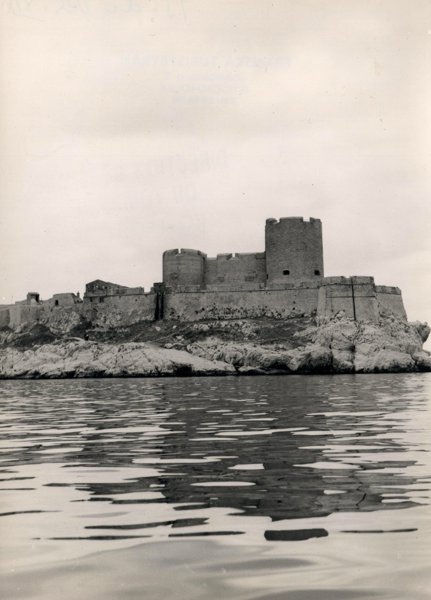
{"points": [[365, 299], [102, 288], [22, 314], [241, 304], [112, 311], [293, 252], [390, 300], [231, 269], [65, 299], [294, 249], [121, 310], [4, 317], [183, 267], [355, 296], [335, 295]]}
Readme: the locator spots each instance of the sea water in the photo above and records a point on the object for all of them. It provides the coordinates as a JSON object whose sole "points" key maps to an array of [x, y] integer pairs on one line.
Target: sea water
{"points": [[297, 487]]}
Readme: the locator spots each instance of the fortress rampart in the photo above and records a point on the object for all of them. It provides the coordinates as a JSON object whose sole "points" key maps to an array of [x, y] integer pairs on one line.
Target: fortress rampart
{"points": [[285, 280], [231, 269], [183, 267], [293, 252], [242, 303], [294, 249]]}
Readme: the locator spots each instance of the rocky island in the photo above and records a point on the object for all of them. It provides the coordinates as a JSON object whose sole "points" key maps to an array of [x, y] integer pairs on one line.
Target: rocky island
{"points": [[258, 313]]}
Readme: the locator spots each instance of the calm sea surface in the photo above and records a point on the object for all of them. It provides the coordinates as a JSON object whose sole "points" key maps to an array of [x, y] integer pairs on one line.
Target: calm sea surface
{"points": [[297, 487]]}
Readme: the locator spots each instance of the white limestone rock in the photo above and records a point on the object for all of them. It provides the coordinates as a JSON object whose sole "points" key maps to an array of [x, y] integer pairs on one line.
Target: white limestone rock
{"points": [[91, 359], [337, 345]]}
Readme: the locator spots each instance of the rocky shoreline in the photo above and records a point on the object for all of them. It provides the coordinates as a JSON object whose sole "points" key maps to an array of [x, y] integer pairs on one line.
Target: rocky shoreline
{"points": [[297, 346]]}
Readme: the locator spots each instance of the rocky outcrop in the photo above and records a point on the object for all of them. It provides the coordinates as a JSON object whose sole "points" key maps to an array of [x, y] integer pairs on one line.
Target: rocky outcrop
{"points": [[337, 345], [79, 358], [330, 346]]}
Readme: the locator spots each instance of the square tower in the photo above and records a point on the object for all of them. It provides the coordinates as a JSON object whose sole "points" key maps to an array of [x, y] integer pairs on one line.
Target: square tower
{"points": [[294, 250]]}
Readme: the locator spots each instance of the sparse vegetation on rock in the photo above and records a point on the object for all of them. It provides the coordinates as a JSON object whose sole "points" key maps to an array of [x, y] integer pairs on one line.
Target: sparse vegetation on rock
{"points": [[259, 346]]}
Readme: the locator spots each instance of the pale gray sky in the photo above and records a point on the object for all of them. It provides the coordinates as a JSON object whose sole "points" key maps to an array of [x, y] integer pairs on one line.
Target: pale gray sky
{"points": [[133, 126]]}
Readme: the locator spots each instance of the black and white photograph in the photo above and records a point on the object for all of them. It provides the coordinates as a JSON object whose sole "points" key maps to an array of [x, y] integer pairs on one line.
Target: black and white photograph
{"points": [[215, 290]]}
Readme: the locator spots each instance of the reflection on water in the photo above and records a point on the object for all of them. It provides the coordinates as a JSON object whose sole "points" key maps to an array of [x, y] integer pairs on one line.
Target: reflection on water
{"points": [[305, 467]]}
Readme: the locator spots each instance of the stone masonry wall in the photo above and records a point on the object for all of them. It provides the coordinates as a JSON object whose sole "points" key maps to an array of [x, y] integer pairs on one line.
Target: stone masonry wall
{"points": [[183, 267], [121, 311], [240, 304], [355, 296], [4, 317], [113, 311], [294, 249], [231, 269], [365, 299], [390, 300], [22, 314], [65, 299]]}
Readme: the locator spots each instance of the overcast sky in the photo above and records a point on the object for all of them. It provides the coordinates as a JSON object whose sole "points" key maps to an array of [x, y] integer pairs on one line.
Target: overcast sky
{"points": [[133, 126]]}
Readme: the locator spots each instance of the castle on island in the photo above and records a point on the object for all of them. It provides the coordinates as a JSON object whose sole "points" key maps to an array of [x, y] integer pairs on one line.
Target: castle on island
{"points": [[284, 281]]}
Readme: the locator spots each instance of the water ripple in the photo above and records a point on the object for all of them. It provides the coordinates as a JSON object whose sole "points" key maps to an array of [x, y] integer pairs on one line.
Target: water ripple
{"points": [[261, 465]]}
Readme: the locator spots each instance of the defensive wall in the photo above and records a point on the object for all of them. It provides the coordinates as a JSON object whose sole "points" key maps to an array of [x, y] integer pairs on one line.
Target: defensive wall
{"points": [[390, 300], [358, 298], [294, 249], [293, 252], [284, 281], [355, 296], [232, 269], [242, 303], [185, 267], [115, 311]]}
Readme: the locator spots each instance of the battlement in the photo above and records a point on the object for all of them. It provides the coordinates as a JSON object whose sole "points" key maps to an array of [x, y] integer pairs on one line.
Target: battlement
{"points": [[182, 251], [353, 280], [362, 280], [183, 267], [388, 289], [281, 220], [293, 253], [390, 301], [245, 255], [294, 249], [285, 280], [241, 256], [233, 269]]}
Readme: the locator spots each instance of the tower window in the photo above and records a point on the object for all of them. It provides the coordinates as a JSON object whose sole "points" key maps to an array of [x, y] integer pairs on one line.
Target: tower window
{"points": [[56, 303], [316, 272], [286, 272]]}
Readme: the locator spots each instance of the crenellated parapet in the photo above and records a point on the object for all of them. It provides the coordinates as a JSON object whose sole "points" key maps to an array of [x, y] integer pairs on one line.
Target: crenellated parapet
{"points": [[294, 249], [187, 251], [358, 298], [183, 267], [293, 253], [233, 269], [284, 281], [390, 301]]}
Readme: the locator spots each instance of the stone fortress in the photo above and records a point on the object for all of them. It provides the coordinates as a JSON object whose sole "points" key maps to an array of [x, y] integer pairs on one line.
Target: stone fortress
{"points": [[284, 281]]}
